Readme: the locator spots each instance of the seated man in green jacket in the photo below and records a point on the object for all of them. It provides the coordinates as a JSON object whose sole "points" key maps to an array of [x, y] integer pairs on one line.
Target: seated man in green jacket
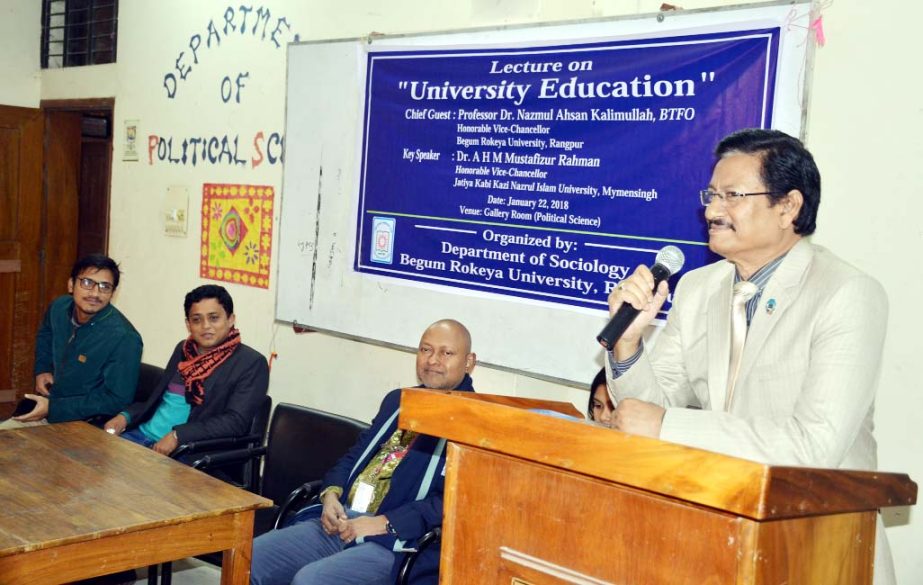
{"points": [[87, 354]]}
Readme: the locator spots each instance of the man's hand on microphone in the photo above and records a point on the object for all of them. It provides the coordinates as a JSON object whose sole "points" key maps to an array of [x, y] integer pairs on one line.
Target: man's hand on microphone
{"points": [[638, 291], [638, 417]]}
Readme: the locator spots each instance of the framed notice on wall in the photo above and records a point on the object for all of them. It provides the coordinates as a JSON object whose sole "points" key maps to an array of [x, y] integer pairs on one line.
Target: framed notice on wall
{"points": [[130, 141]]}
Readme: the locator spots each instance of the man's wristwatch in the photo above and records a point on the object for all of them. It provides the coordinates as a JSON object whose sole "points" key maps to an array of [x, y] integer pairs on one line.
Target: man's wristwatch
{"points": [[390, 529]]}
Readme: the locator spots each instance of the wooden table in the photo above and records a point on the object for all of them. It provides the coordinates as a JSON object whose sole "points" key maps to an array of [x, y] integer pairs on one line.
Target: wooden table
{"points": [[76, 502]]}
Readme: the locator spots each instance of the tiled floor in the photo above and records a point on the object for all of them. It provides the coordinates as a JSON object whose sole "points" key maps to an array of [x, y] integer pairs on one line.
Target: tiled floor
{"points": [[189, 572]]}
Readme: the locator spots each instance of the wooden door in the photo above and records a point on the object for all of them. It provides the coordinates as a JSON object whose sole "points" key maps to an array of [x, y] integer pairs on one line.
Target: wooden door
{"points": [[39, 182], [62, 200], [21, 132]]}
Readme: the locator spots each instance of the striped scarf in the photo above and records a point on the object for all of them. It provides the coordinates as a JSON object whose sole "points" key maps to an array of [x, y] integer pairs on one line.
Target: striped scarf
{"points": [[197, 367]]}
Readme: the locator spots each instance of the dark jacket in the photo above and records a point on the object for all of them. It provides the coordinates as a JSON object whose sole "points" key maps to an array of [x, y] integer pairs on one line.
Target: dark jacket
{"points": [[425, 462], [95, 368], [233, 394]]}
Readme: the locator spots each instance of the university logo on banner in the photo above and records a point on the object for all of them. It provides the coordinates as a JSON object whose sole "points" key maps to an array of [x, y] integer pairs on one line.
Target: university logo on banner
{"points": [[382, 240]]}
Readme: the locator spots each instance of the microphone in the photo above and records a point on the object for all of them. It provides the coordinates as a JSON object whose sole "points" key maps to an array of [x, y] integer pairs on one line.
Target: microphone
{"points": [[668, 262]]}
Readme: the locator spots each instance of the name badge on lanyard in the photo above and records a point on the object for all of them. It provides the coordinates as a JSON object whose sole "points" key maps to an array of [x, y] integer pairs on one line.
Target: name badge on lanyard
{"points": [[362, 498]]}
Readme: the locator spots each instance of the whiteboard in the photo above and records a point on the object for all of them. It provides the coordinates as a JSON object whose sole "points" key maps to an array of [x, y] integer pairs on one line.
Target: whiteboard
{"points": [[317, 286]]}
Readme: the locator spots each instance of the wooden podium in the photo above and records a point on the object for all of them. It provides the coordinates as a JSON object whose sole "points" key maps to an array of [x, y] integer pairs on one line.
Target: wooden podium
{"points": [[536, 499]]}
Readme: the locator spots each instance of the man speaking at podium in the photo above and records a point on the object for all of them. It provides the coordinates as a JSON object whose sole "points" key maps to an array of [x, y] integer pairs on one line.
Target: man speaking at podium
{"points": [[776, 348]]}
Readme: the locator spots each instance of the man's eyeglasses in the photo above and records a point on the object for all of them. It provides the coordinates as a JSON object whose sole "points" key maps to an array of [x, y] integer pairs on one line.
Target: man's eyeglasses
{"points": [[729, 198], [105, 288]]}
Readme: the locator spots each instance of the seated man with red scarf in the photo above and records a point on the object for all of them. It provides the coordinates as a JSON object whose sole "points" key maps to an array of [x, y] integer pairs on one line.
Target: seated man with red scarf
{"points": [[211, 388]]}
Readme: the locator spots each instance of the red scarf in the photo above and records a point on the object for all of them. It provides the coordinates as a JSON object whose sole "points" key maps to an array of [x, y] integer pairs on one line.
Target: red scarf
{"points": [[199, 366]]}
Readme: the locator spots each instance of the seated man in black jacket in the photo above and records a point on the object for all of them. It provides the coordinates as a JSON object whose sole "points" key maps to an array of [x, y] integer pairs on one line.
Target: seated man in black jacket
{"points": [[212, 386]]}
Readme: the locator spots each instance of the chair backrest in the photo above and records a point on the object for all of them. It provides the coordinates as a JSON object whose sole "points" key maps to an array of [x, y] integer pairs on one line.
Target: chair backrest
{"points": [[261, 419], [148, 378], [303, 444]]}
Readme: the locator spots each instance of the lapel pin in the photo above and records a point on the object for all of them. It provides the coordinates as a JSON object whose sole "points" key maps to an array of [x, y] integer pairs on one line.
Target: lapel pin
{"points": [[770, 306]]}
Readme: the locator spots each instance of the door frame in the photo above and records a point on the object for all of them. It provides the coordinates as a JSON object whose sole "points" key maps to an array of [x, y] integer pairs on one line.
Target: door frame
{"points": [[54, 276]]}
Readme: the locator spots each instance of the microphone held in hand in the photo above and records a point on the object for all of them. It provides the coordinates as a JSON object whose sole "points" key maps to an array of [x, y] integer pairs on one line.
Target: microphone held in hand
{"points": [[669, 261]]}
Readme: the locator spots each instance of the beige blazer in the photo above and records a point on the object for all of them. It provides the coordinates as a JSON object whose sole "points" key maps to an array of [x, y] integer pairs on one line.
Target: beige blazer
{"points": [[808, 374]]}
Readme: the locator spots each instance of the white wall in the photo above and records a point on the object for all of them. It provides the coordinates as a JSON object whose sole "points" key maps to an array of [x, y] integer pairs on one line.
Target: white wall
{"points": [[864, 127], [865, 131], [20, 39]]}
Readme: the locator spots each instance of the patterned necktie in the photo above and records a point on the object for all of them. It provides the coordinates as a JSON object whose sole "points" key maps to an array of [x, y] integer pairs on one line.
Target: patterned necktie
{"points": [[743, 292]]}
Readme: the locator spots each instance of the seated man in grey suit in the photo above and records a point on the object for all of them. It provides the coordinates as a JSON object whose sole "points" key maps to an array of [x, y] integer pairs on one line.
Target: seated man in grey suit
{"points": [[787, 377], [211, 388]]}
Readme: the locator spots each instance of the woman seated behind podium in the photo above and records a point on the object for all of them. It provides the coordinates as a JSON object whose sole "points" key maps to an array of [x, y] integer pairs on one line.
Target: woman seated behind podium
{"points": [[600, 406]]}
